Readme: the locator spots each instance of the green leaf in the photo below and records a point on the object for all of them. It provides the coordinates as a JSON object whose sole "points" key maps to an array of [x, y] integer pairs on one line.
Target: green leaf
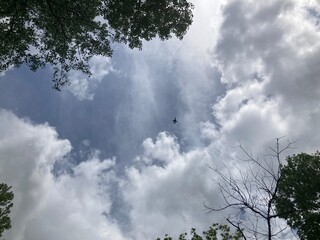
{"points": [[66, 34], [298, 198]]}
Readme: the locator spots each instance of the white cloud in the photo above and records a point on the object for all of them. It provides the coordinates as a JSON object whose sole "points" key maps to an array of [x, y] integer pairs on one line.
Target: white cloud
{"points": [[168, 198], [268, 57], [268, 54], [82, 86], [77, 206], [3, 73], [175, 77], [68, 207], [246, 115]]}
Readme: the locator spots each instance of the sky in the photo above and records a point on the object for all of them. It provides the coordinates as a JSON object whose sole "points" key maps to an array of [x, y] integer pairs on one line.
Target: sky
{"points": [[102, 159]]}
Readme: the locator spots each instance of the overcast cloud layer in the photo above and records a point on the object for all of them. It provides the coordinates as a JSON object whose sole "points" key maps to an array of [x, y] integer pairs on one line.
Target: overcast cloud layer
{"points": [[102, 159]]}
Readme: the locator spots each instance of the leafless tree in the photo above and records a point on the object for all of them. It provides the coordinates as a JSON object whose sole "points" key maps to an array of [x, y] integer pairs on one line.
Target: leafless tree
{"points": [[251, 193]]}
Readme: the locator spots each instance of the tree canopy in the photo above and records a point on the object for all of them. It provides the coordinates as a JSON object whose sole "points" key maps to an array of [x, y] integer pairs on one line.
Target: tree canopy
{"points": [[298, 198], [67, 34], [215, 232], [6, 197]]}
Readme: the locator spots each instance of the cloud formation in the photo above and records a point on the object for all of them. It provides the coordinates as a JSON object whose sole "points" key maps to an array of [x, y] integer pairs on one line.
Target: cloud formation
{"points": [[82, 86], [267, 53], [247, 71], [171, 186], [45, 207]]}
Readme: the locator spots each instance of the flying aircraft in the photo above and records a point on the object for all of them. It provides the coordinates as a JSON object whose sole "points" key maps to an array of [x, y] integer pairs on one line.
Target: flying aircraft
{"points": [[174, 120]]}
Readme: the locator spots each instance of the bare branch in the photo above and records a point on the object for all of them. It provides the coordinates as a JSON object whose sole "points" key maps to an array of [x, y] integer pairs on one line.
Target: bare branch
{"points": [[237, 226], [252, 192]]}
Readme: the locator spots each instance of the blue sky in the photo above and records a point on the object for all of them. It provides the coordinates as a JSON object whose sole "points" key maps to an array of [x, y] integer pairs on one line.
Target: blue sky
{"points": [[103, 156]]}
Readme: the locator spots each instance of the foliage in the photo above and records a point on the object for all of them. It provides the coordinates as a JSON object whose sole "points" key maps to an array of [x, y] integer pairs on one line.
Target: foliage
{"points": [[68, 33], [215, 232], [6, 197], [298, 198]]}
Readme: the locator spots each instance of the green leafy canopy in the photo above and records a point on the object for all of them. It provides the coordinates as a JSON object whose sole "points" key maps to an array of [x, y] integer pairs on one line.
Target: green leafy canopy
{"points": [[298, 198], [215, 232], [67, 34], [6, 197]]}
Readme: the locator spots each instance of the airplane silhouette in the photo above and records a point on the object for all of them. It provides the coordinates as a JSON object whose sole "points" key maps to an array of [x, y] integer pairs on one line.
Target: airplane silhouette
{"points": [[174, 120]]}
